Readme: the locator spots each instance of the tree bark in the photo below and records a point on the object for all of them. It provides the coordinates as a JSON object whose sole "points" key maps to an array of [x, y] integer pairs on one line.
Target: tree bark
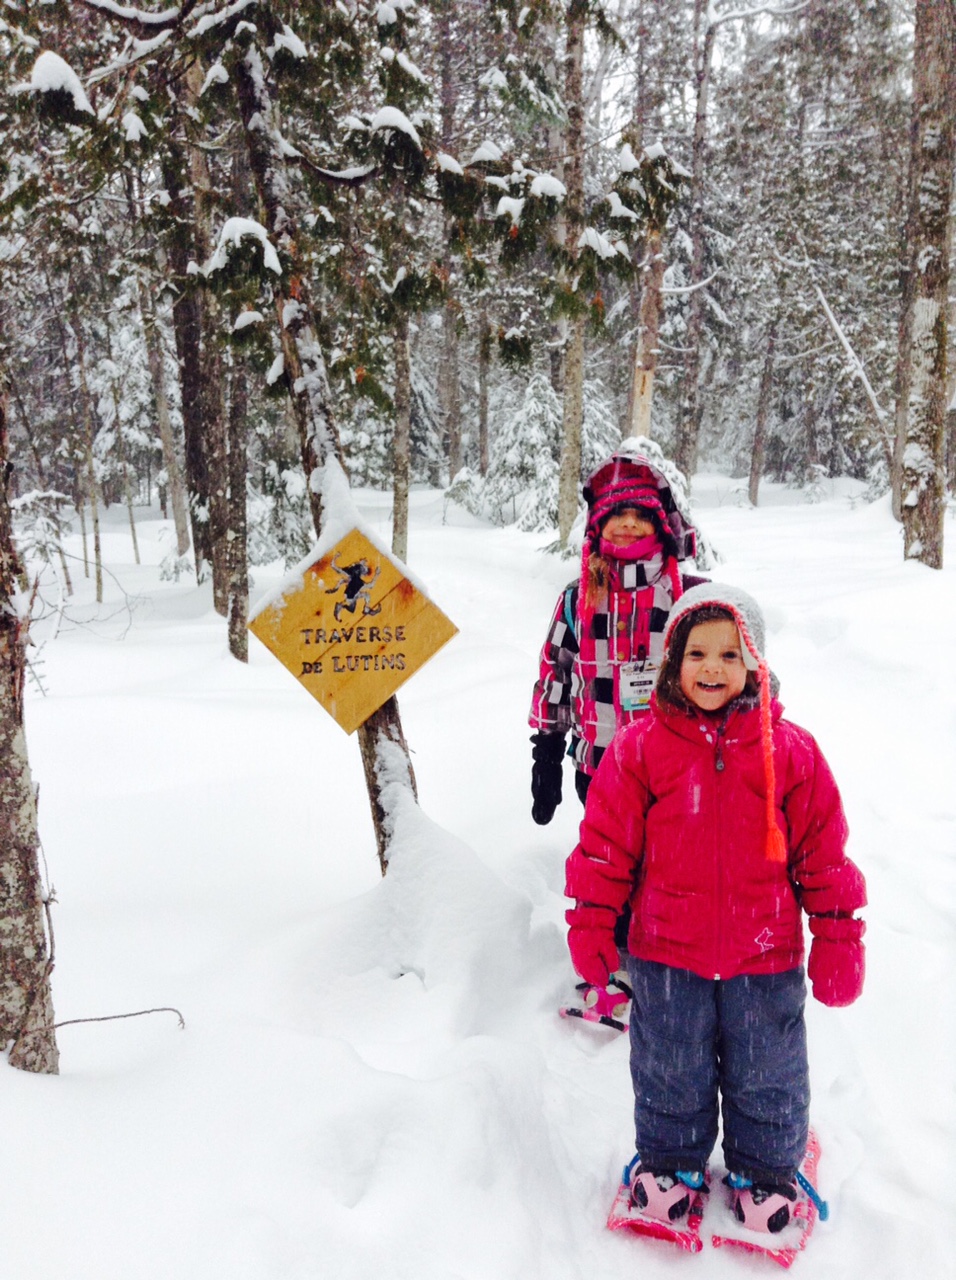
{"points": [[934, 105], [174, 478], [484, 360], [650, 311], [401, 439], [213, 372], [449, 386], [187, 329], [26, 1004], [90, 463], [573, 413], [449, 389], [763, 413], [904, 333], [688, 425], [236, 538]]}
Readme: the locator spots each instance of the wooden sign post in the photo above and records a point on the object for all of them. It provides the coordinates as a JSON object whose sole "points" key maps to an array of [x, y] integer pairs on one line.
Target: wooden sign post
{"points": [[354, 630]]}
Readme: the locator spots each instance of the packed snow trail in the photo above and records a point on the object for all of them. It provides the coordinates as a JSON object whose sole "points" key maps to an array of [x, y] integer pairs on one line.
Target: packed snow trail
{"points": [[373, 1080]]}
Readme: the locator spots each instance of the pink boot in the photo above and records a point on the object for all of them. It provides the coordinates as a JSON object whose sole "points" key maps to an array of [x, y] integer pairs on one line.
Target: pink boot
{"points": [[762, 1208], [659, 1195]]}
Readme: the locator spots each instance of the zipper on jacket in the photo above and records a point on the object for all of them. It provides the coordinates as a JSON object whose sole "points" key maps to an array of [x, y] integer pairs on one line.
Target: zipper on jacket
{"points": [[718, 808]]}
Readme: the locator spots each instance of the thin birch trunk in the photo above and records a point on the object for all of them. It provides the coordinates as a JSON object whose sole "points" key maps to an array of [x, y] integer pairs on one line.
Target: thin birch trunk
{"points": [[90, 462], [650, 312], [26, 1004]]}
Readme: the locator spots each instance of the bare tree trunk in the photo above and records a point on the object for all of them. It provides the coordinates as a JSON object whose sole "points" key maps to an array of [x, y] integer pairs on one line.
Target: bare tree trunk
{"points": [[401, 439], [90, 465], [449, 388], [187, 330], [688, 426], [484, 360], [570, 466], [174, 477], [763, 413], [573, 416], [80, 506], [934, 108], [382, 743], [648, 333], [211, 387], [214, 443], [26, 1004], [904, 334], [237, 524], [127, 487]]}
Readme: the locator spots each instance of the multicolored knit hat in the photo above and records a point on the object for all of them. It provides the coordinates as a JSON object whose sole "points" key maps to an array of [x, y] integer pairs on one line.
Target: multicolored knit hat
{"points": [[748, 619], [629, 478]]}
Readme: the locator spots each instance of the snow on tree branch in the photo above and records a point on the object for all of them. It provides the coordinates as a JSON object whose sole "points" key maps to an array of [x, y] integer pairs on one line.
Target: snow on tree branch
{"points": [[167, 17], [392, 118], [233, 232], [51, 74]]}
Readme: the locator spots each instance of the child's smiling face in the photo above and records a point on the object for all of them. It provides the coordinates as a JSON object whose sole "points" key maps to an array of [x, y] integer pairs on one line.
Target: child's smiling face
{"points": [[712, 672], [627, 526]]}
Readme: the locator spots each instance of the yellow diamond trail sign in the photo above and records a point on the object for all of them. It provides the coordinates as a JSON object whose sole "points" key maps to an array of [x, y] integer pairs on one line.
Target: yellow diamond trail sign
{"points": [[354, 630]]}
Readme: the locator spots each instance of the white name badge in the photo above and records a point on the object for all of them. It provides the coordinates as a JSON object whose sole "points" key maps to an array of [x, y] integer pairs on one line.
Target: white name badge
{"points": [[635, 684]]}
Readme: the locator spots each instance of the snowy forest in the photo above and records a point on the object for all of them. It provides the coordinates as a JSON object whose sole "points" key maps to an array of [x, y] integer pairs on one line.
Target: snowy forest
{"points": [[278, 270], [460, 244]]}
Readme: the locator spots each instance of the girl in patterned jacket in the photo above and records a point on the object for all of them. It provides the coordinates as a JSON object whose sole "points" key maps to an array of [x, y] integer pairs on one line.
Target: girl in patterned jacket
{"points": [[604, 644], [718, 822]]}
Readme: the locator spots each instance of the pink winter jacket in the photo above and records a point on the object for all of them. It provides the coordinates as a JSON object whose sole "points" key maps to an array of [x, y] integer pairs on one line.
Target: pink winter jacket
{"points": [[675, 824]]}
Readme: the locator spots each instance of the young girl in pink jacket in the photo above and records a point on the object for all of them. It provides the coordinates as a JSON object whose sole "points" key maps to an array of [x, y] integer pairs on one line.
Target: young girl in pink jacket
{"points": [[718, 822]]}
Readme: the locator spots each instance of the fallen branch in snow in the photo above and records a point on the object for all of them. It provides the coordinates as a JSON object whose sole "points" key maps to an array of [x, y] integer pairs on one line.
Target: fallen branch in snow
{"points": [[113, 1017]]}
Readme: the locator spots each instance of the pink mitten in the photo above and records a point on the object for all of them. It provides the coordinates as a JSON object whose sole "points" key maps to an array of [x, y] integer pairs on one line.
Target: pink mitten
{"points": [[837, 959], [591, 943]]}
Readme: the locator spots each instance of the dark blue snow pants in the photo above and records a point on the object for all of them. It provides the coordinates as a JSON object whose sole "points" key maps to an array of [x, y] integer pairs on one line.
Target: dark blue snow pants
{"points": [[693, 1038]]}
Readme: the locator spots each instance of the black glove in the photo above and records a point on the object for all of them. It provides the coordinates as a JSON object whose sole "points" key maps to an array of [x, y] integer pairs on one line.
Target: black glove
{"points": [[547, 755]]}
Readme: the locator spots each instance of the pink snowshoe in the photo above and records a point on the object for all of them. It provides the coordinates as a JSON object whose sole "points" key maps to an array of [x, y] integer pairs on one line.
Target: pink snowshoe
{"points": [[607, 1005], [662, 1206]]}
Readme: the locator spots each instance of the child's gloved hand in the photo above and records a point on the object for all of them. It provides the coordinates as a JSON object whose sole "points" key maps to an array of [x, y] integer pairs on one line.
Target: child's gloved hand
{"points": [[591, 942], [547, 755], [837, 962]]}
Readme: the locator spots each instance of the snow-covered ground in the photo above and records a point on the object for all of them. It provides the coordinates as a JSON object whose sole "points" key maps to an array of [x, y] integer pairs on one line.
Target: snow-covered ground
{"points": [[372, 1083]]}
